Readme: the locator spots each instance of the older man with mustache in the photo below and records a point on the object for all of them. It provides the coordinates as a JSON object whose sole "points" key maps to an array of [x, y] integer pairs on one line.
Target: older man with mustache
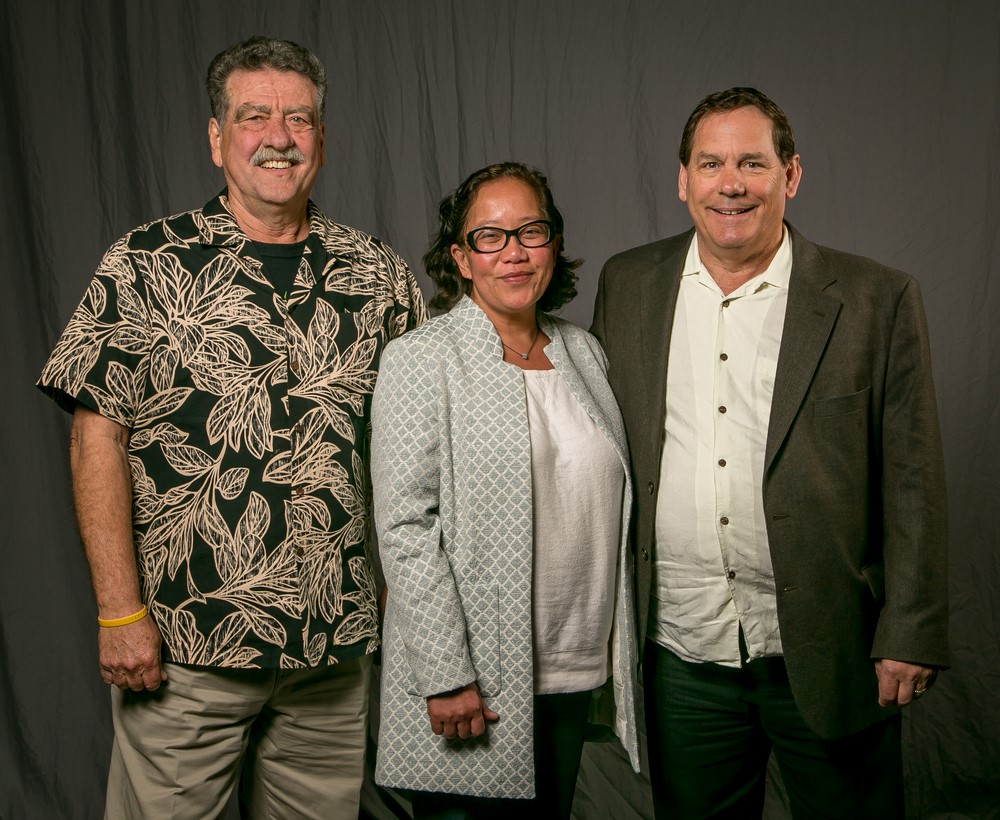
{"points": [[220, 370]]}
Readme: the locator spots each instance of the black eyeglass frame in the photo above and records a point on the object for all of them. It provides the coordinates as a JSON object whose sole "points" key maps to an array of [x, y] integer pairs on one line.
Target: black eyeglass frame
{"points": [[508, 235]]}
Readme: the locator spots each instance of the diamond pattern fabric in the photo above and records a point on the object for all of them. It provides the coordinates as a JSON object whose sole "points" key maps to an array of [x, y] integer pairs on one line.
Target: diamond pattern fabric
{"points": [[451, 472]]}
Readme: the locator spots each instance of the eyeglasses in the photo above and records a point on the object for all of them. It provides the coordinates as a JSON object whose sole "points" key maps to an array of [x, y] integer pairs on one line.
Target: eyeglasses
{"points": [[529, 235]]}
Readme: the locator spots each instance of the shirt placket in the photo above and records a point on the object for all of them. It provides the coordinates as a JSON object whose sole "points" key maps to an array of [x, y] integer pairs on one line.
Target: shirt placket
{"points": [[726, 396], [296, 436]]}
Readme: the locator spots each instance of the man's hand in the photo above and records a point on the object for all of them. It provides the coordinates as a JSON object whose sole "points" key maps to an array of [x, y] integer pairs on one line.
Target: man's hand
{"points": [[130, 655], [900, 683], [102, 489], [461, 713]]}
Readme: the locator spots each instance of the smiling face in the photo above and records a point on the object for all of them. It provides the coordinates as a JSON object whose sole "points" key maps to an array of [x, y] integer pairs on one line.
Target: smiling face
{"points": [[270, 147], [735, 187], [508, 283]]}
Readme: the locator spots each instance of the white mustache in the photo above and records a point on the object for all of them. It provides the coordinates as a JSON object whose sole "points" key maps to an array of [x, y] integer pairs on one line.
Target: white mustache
{"points": [[266, 154]]}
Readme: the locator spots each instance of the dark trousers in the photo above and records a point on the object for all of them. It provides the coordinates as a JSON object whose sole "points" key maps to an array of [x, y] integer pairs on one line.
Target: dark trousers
{"points": [[711, 730], [559, 724]]}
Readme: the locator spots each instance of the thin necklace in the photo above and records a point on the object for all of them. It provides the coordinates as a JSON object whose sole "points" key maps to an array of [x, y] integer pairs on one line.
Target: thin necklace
{"points": [[524, 356]]}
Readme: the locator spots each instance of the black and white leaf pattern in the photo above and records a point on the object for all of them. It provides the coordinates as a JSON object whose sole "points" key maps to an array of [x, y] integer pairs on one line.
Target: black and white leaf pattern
{"points": [[246, 415]]}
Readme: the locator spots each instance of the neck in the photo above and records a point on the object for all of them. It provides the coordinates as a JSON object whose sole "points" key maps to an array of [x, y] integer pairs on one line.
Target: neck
{"points": [[514, 330], [279, 226], [510, 325], [732, 273]]}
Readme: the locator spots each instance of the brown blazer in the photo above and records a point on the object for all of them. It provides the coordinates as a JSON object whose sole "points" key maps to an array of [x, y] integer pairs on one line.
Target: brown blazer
{"points": [[854, 492]]}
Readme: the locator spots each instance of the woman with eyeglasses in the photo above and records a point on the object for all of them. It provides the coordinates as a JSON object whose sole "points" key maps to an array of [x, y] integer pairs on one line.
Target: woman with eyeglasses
{"points": [[502, 496]]}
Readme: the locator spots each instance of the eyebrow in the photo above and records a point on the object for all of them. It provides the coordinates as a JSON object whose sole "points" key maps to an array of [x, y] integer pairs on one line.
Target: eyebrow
{"points": [[258, 108], [755, 155], [262, 108]]}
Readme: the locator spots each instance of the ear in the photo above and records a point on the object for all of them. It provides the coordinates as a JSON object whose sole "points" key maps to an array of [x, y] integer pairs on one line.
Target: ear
{"points": [[682, 183], [215, 141], [793, 175], [322, 143], [461, 257]]}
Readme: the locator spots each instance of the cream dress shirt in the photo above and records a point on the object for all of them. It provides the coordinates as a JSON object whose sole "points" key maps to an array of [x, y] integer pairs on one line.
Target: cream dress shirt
{"points": [[713, 571]]}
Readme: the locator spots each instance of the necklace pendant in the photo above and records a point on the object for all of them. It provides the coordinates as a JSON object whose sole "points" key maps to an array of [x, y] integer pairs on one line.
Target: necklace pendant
{"points": [[523, 356]]}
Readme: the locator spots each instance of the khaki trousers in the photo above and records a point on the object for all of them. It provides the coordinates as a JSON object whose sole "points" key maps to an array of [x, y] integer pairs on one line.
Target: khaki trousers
{"points": [[299, 734]]}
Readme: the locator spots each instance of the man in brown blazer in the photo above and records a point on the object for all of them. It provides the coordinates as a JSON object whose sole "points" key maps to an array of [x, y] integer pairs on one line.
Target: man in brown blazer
{"points": [[790, 531]]}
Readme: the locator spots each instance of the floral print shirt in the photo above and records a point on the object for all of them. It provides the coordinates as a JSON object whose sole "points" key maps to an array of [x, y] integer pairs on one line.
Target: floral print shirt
{"points": [[248, 413]]}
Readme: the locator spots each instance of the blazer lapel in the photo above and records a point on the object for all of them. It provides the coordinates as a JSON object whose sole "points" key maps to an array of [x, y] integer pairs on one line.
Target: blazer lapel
{"points": [[605, 416], [658, 288], [809, 319]]}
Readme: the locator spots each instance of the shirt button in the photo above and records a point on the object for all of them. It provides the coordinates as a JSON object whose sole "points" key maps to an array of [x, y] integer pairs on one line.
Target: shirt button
{"points": [[299, 551], [725, 303], [722, 462], [722, 409], [644, 554], [299, 491], [294, 365], [724, 357], [650, 487], [731, 574], [724, 520]]}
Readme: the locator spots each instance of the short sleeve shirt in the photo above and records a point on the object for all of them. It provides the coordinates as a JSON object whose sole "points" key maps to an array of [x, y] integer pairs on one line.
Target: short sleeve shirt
{"points": [[248, 414]]}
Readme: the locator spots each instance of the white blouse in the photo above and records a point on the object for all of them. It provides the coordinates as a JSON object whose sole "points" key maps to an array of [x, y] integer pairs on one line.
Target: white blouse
{"points": [[578, 484]]}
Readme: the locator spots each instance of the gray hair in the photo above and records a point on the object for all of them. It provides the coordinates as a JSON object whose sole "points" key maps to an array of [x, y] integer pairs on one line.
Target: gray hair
{"points": [[256, 54]]}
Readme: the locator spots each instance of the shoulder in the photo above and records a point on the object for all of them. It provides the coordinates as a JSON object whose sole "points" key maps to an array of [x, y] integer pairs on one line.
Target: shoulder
{"points": [[424, 342], [180, 230], [654, 253], [577, 341], [343, 240], [572, 334], [414, 367], [858, 275], [129, 260]]}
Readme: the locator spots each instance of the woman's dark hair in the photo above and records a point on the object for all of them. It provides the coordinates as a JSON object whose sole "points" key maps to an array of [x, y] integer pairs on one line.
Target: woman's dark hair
{"points": [[454, 210]]}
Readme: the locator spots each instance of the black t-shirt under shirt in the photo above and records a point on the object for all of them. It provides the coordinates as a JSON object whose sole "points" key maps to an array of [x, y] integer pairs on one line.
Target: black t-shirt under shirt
{"points": [[281, 263]]}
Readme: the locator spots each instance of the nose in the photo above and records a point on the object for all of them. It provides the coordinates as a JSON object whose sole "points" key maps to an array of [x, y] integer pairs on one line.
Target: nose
{"points": [[732, 183], [277, 134], [514, 251]]}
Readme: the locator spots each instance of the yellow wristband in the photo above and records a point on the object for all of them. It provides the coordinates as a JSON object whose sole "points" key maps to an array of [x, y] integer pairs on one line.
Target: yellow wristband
{"points": [[128, 619]]}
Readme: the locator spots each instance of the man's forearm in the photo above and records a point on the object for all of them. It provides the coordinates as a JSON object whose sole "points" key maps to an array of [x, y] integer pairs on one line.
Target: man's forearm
{"points": [[102, 492]]}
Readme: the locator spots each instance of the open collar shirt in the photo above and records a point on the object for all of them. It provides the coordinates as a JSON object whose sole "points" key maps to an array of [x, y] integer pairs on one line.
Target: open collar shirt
{"points": [[713, 571], [248, 415]]}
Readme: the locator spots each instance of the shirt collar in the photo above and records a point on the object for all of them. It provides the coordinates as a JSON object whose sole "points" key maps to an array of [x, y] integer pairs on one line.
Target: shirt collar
{"points": [[218, 226], [777, 274]]}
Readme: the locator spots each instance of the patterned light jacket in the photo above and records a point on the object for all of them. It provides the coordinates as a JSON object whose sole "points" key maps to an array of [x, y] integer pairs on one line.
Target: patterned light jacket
{"points": [[451, 473], [248, 415]]}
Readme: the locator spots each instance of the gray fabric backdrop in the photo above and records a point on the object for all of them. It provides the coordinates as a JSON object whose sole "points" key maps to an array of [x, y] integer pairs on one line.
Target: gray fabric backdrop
{"points": [[897, 114]]}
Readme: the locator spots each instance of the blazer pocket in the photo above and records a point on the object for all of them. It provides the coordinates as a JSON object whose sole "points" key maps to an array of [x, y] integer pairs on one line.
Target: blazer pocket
{"points": [[840, 405], [482, 623]]}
